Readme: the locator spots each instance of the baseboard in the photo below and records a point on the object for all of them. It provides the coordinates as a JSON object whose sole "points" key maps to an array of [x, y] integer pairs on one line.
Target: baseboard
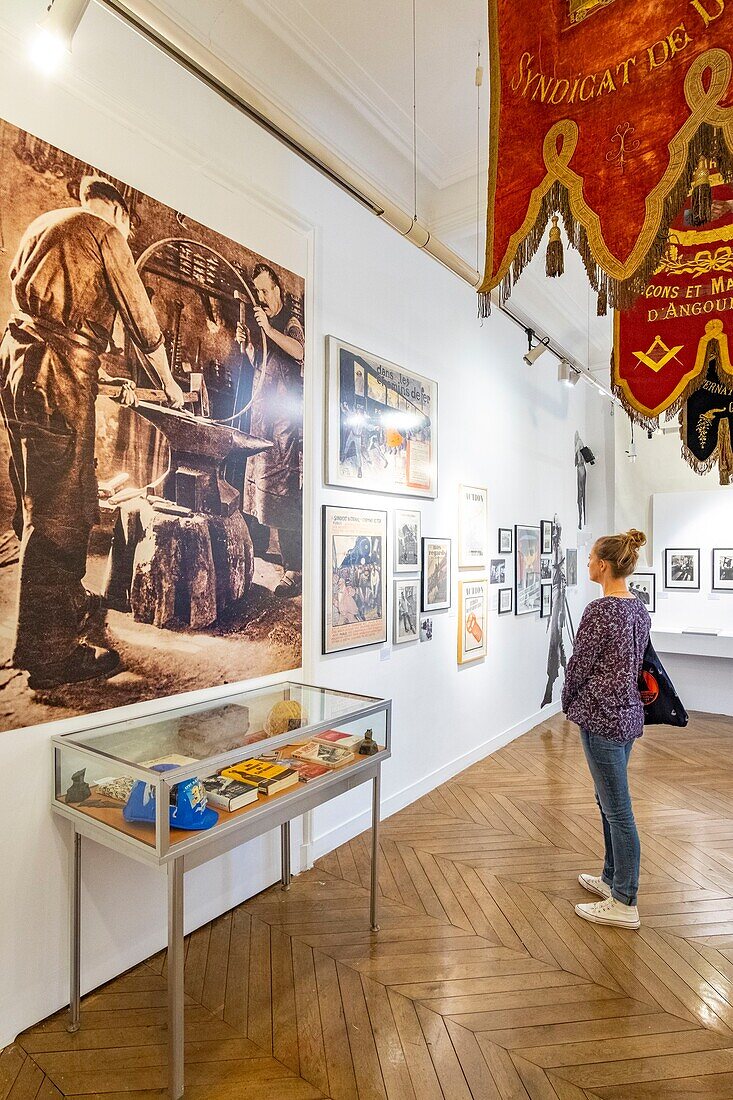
{"points": [[347, 830]]}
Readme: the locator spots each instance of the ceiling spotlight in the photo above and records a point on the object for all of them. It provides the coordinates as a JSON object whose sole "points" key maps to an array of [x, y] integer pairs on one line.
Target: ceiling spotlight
{"points": [[567, 374], [537, 350], [55, 33]]}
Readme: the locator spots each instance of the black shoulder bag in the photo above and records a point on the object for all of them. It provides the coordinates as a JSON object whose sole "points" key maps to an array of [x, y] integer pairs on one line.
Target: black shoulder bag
{"points": [[662, 704]]}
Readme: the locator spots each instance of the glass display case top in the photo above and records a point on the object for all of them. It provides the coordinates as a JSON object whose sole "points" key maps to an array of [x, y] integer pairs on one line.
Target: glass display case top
{"points": [[203, 730]]}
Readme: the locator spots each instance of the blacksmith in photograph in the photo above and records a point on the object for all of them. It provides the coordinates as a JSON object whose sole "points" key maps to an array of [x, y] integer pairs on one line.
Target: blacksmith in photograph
{"points": [[73, 273], [151, 387]]}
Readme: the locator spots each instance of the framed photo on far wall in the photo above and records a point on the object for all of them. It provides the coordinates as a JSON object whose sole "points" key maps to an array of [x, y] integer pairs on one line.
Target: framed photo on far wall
{"points": [[682, 568], [505, 601], [354, 578], [723, 570], [406, 612], [644, 587], [571, 568], [506, 544], [436, 578], [526, 570], [546, 535], [382, 424], [546, 602], [473, 601], [473, 527], [406, 557], [497, 574], [545, 568]]}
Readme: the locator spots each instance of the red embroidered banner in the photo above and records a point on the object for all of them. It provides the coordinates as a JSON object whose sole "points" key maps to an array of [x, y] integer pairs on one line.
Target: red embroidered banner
{"points": [[600, 110], [663, 345]]}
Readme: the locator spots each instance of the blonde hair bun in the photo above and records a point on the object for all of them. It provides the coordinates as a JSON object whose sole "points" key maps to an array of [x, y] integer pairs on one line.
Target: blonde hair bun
{"points": [[621, 551]]}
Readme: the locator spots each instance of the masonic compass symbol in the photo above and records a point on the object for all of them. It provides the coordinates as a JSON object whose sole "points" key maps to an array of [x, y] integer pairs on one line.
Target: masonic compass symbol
{"points": [[581, 9], [658, 355]]}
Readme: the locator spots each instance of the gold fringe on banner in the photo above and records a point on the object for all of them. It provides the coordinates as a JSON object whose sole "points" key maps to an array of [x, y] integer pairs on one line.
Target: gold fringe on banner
{"points": [[553, 197]]}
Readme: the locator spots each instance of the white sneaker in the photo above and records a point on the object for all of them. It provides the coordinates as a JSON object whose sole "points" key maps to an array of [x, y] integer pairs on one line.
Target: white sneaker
{"points": [[610, 911], [594, 884]]}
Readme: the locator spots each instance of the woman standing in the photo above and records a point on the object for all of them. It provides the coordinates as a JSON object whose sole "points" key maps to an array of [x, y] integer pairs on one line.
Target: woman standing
{"points": [[601, 694]]}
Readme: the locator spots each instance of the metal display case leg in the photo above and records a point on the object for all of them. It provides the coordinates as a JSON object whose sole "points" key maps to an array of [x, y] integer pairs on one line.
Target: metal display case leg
{"points": [[376, 793], [285, 854], [175, 979], [75, 935]]}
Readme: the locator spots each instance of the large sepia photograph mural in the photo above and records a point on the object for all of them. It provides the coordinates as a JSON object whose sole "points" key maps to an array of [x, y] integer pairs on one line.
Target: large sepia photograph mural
{"points": [[151, 389]]}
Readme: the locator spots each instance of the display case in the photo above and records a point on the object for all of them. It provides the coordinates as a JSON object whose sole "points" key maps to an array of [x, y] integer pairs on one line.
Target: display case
{"points": [[138, 787], [112, 778]]}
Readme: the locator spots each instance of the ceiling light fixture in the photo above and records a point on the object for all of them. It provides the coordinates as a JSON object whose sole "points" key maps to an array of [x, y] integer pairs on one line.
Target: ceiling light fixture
{"points": [[54, 33], [534, 352], [567, 373]]}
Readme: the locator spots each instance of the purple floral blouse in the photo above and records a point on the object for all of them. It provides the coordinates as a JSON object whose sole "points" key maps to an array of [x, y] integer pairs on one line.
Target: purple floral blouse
{"points": [[601, 692]]}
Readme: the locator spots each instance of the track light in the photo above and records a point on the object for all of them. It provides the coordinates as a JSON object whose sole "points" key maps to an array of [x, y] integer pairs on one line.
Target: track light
{"points": [[55, 33], [567, 374], [537, 350]]}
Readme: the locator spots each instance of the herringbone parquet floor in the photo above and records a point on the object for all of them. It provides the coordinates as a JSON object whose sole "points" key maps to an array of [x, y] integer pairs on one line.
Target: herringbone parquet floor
{"points": [[482, 982]]}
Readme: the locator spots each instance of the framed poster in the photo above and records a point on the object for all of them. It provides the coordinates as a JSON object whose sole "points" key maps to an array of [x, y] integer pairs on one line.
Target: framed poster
{"points": [[436, 578], [497, 572], [546, 535], [354, 578], [723, 570], [505, 601], [506, 544], [682, 568], [473, 527], [381, 424], [405, 612], [526, 570], [545, 568], [571, 567], [406, 550], [473, 604], [546, 601], [177, 302], [644, 587]]}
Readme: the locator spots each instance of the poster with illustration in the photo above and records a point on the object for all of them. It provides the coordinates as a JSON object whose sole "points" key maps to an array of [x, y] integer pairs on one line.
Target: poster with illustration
{"points": [[354, 581]]}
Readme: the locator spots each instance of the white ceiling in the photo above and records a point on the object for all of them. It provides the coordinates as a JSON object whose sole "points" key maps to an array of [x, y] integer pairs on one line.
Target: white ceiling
{"points": [[343, 70]]}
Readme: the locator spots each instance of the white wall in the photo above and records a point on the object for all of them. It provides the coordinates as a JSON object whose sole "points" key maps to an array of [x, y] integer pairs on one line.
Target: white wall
{"points": [[704, 520], [124, 107]]}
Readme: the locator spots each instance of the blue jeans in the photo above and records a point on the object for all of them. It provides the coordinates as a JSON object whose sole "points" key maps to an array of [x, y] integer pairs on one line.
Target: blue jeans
{"points": [[608, 762]]}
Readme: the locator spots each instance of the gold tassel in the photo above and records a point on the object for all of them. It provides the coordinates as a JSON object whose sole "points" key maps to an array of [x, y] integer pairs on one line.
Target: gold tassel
{"points": [[725, 452], [602, 303], [702, 197], [555, 261]]}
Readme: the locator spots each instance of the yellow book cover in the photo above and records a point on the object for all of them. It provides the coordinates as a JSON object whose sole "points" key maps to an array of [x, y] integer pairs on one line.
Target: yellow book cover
{"points": [[259, 770]]}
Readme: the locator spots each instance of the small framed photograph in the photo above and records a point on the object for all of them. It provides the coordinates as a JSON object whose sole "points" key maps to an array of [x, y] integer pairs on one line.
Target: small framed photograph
{"points": [[506, 541], [644, 587], [505, 601], [571, 568], [473, 602], [436, 578], [546, 602], [545, 568], [406, 550], [473, 527], [405, 612], [497, 573], [526, 570], [546, 535], [426, 630], [723, 570], [682, 568]]}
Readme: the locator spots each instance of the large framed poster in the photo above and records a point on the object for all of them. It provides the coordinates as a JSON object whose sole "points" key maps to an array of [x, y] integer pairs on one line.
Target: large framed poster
{"points": [[473, 527], [354, 578], [167, 361], [527, 570], [381, 424], [473, 600]]}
